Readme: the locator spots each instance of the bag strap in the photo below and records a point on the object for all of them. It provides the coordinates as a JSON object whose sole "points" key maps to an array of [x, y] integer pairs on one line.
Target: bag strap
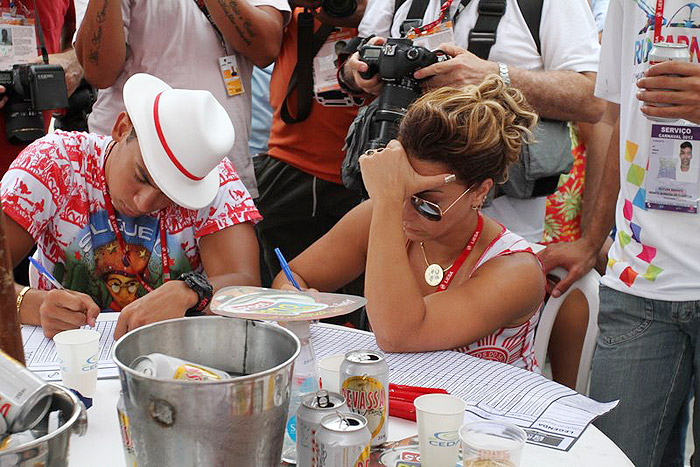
{"points": [[532, 12], [308, 45], [483, 36], [414, 18]]}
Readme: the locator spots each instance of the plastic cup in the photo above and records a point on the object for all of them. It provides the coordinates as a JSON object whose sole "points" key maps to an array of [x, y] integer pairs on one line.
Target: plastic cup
{"points": [[439, 417], [492, 444], [329, 371], [77, 351]]}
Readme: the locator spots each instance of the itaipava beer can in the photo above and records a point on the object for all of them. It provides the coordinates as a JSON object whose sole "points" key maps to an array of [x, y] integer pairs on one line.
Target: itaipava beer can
{"points": [[24, 397], [314, 407], [664, 52], [364, 376], [343, 440], [162, 366]]}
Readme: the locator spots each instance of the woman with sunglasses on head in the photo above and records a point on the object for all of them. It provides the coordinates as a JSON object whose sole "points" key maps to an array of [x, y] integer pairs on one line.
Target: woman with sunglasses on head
{"points": [[439, 274]]}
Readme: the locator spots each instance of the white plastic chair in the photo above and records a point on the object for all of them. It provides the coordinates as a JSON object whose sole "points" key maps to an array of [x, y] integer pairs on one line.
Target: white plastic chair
{"points": [[588, 285]]}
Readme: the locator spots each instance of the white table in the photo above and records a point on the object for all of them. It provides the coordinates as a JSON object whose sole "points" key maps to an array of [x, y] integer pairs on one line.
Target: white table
{"points": [[102, 443]]}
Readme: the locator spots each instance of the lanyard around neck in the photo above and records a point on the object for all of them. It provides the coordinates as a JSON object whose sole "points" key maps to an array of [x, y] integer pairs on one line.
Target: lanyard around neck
{"points": [[452, 271], [112, 217]]}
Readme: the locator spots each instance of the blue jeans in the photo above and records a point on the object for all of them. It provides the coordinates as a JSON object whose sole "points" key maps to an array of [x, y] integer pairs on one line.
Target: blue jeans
{"points": [[646, 356]]}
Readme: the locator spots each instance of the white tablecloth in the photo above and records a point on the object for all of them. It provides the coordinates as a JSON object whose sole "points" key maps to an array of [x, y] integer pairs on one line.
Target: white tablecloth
{"points": [[102, 443]]}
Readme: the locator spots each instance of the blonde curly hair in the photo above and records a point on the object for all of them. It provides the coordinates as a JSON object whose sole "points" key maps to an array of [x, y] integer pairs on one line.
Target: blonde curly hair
{"points": [[476, 131]]}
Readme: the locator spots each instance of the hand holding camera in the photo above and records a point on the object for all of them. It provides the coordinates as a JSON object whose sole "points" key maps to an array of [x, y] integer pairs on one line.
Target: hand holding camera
{"points": [[357, 68], [463, 69]]}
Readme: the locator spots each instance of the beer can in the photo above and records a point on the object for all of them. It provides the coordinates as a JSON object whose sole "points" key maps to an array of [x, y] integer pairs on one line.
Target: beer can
{"points": [[125, 428], [365, 385], [162, 366], [24, 397], [25, 457], [343, 440], [313, 408], [665, 52]]}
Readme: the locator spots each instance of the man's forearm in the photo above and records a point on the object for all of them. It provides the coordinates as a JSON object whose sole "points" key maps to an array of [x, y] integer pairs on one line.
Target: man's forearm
{"points": [[602, 217], [597, 138], [560, 95], [100, 45], [255, 32]]}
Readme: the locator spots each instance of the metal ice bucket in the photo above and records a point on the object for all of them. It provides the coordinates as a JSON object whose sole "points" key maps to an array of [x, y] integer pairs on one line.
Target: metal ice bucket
{"points": [[51, 450], [215, 423]]}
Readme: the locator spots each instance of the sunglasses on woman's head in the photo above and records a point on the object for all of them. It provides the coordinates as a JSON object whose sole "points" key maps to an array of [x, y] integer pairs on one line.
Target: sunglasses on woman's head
{"points": [[433, 211]]}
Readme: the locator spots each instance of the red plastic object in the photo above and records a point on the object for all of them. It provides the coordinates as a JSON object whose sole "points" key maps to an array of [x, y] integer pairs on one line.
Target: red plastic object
{"points": [[402, 409]]}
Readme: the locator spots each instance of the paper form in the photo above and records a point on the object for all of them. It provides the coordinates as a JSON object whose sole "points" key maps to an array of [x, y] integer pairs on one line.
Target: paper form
{"points": [[40, 351], [553, 415]]}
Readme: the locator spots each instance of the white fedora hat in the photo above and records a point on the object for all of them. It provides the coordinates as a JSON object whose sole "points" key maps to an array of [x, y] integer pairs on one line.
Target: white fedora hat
{"points": [[183, 135]]}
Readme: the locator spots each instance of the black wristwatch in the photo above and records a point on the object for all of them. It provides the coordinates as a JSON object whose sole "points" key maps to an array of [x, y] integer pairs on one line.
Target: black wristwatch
{"points": [[199, 283]]}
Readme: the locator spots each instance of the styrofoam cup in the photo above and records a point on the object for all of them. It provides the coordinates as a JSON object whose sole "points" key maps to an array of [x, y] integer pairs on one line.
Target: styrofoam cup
{"points": [[78, 351], [496, 441], [329, 371], [439, 417]]}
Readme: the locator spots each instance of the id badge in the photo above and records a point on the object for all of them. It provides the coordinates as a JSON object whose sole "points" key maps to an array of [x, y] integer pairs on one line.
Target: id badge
{"points": [[673, 177], [231, 76], [326, 88], [433, 37]]}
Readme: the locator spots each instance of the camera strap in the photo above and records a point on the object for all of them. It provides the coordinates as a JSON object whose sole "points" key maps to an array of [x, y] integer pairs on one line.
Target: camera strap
{"points": [[308, 45], [42, 44], [483, 36]]}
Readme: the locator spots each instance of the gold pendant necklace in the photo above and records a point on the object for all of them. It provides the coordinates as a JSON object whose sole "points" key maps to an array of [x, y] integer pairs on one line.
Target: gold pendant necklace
{"points": [[433, 272]]}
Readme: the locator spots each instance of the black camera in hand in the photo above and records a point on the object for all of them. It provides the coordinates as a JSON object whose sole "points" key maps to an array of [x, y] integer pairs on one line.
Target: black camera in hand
{"points": [[31, 89], [394, 62]]}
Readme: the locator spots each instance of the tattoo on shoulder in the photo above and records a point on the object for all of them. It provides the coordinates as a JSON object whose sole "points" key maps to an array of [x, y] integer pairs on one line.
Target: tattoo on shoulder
{"points": [[241, 25], [100, 18]]}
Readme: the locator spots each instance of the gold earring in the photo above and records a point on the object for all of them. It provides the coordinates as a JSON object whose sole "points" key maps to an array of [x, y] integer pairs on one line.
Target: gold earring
{"points": [[476, 207]]}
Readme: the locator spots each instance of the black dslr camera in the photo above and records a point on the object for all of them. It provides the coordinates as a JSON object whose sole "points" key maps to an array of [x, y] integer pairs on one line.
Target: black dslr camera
{"points": [[339, 8], [31, 89], [395, 62]]}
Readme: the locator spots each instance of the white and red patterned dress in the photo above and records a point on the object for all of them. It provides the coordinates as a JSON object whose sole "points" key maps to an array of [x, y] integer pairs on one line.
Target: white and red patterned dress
{"points": [[515, 345], [54, 190]]}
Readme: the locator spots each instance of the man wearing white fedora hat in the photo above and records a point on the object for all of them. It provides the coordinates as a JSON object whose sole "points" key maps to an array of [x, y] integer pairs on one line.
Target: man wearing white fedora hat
{"points": [[148, 222]]}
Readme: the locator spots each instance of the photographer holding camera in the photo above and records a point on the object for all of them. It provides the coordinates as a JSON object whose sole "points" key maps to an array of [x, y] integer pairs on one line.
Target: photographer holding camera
{"points": [[57, 19], [550, 54], [301, 194]]}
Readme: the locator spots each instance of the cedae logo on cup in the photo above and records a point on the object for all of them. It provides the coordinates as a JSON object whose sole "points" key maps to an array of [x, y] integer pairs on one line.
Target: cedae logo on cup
{"points": [[90, 364], [444, 439]]}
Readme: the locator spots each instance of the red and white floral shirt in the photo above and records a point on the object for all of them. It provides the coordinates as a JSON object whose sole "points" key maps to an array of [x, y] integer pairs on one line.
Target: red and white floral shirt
{"points": [[54, 190]]}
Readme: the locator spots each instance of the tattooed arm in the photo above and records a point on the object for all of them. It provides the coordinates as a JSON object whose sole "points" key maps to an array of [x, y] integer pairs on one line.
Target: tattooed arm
{"points": [[255, 32], [100, 44]]}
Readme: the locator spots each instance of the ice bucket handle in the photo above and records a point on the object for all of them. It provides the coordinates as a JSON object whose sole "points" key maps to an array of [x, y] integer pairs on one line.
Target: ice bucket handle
{"points": [[81, 425]]}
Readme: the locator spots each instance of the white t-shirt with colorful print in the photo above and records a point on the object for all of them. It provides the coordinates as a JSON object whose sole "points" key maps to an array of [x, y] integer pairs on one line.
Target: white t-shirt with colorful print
{"points": [[54, 190], [655, 253]]}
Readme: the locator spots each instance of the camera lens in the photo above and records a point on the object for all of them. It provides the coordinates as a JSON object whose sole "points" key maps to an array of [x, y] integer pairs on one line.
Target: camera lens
{"points": [[412, 53], [339, 8]]}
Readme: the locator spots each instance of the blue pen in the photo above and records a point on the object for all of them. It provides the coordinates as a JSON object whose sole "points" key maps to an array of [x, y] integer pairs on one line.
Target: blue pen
{"points": [[42, 270], [285, 268]]}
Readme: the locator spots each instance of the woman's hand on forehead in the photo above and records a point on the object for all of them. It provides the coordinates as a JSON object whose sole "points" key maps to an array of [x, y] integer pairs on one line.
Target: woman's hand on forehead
{"points": [[387, 174]]}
